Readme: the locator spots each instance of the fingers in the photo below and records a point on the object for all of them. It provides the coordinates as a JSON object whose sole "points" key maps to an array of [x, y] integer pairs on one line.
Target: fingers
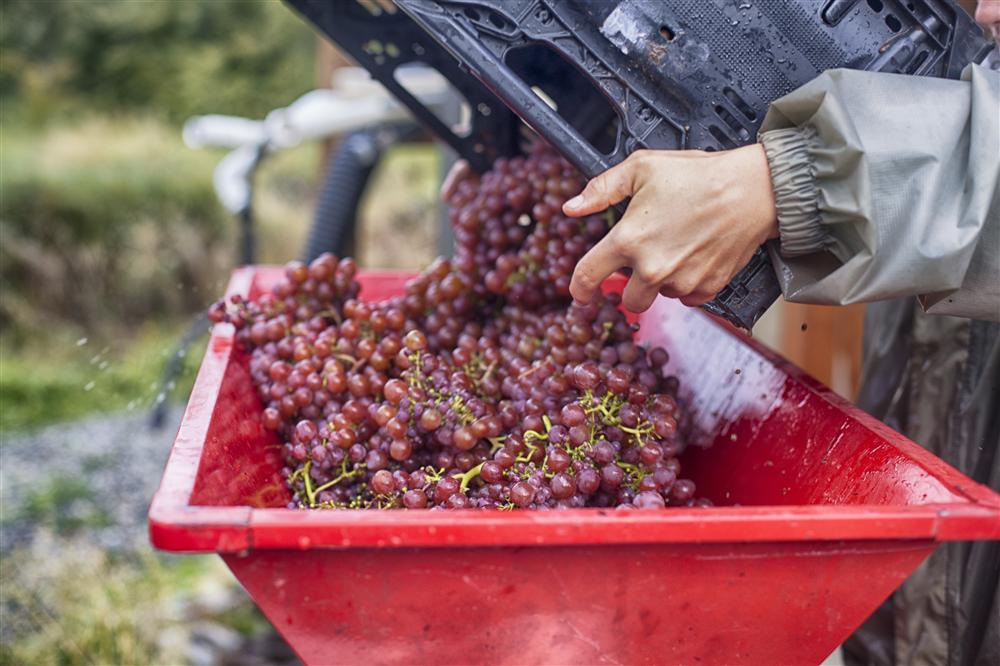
{"points": [[697, 299], [614, 185], [458, 172], [639, 294], [690, 293], [602, 260]]}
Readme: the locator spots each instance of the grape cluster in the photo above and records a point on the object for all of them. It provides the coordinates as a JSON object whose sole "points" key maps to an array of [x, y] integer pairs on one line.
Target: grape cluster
{"points": [[483, 385]]}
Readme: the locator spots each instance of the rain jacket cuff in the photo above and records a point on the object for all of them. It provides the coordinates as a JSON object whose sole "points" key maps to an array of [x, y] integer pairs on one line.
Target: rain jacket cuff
{"points": [[796, 195]]}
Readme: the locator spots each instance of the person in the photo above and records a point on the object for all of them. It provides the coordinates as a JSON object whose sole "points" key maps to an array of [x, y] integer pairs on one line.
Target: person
{"points": [[867, 187]]}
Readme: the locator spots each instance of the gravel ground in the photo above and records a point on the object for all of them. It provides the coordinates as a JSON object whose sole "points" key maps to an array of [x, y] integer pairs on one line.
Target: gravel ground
{"points": [[121, 458], [96, 477]]}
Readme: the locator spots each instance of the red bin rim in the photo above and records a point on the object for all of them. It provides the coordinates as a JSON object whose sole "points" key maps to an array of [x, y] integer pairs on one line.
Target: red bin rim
{"points": [[177, 525]]}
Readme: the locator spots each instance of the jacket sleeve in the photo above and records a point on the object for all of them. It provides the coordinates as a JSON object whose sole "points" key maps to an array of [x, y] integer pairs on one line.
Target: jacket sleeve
{"points": [[889, 186]]}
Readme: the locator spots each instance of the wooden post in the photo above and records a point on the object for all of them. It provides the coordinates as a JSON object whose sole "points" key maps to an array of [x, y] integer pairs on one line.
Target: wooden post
{"points": [[825, 341]]}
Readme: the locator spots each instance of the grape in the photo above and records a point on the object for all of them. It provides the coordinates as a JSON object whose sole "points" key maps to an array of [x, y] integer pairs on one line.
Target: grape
{"points": [[572, 414], [415, 499], [491, 472], [588, 481], [272, 418], [382, 482], [445, 488], [682, 491], [522, 493], [563, 486], [586, 376], [649, 500], [650, 454], [482, 385], [604, 452]]}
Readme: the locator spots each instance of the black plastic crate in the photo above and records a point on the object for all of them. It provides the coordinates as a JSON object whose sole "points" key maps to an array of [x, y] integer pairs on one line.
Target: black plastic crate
{"points": [[600, 79]]}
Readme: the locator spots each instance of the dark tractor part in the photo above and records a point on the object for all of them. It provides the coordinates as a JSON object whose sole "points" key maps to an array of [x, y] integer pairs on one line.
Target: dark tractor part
{"points": [[599, 80]]}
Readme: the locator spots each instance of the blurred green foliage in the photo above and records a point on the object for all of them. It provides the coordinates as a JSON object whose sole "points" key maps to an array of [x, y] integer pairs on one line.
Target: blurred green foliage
{"points": [[62, 380], [106, 218], [105, 223], [110, 232], [64, 504], [109, 226], [62, 57], [68, 601]]}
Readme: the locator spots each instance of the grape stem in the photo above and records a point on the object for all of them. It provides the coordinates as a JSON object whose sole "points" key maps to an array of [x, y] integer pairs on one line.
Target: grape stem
{"points": [[489, 371], [462, 410], [634, 472], [644, 428], [344, 474], [333, 314], [433, 475], [310, 493], [532, 449], [606, 332], [465, 478]]}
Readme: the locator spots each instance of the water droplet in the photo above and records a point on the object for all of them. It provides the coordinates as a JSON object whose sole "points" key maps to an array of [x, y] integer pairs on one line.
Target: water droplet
{"points": [[103, 365], [81, 342], [89, 386]]}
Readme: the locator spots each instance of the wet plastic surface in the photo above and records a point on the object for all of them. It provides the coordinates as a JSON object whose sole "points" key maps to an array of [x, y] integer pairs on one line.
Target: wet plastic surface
{"points": [[620, 75], [835, 510]]}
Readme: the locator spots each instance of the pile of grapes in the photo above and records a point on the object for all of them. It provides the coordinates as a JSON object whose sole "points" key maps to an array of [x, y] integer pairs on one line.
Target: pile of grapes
{"points": [[483, 386]]}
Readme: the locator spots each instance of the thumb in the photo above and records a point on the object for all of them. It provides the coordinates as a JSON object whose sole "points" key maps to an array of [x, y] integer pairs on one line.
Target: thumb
{"points": [[614, 185]]}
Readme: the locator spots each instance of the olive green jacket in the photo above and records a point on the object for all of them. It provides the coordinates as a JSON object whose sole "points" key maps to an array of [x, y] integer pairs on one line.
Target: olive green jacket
{"points": [[887, 187]]}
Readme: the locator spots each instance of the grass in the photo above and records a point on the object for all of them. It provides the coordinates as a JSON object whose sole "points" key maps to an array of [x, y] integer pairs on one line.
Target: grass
{"points": [[66, 505], [62, 380], [66, 601]]}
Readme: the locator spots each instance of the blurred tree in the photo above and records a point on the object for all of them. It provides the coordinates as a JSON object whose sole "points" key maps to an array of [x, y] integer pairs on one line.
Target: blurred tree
{"points": [[96, 182], [169, 58]]}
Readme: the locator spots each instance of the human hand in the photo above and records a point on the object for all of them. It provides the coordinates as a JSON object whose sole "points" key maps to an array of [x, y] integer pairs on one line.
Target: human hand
{"points": [[988, 14], [459, 172], [694, 221]]}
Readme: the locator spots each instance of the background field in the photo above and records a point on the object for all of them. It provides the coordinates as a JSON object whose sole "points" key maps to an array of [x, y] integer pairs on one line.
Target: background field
{"points": [[111, 240]]}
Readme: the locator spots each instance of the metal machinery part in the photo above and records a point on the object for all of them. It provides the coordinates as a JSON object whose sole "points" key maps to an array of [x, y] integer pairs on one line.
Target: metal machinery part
{"points": [[599, 80]]}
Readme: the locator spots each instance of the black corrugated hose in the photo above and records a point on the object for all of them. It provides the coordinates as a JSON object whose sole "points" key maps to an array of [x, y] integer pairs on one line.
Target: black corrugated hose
{"points": [[347, 175]]}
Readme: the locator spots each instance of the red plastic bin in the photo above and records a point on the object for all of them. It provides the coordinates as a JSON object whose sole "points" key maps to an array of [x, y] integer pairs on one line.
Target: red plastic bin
{"points": [[822, 513]]}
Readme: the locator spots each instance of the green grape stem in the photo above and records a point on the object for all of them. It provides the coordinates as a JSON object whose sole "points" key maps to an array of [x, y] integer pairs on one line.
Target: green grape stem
{"points": [[465, 478], [344, 474]]}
